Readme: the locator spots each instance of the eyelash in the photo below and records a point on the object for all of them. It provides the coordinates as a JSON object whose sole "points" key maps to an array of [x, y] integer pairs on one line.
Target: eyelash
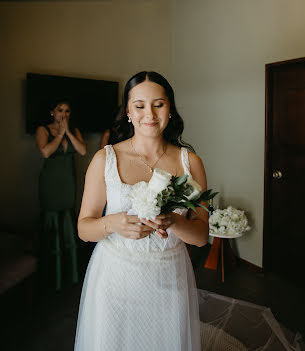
{"points": [[141, 107]]}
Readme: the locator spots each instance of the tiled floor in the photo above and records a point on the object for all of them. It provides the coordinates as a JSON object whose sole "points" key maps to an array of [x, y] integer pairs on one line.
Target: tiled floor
{"points": [[52, 323]]}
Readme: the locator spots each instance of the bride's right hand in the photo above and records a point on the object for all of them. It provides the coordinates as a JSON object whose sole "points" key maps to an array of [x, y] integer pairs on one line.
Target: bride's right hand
{"points": [[128, 226]]}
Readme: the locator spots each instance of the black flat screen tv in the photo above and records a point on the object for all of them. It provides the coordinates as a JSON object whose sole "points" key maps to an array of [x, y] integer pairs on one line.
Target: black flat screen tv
{"points": [[94, 103]]}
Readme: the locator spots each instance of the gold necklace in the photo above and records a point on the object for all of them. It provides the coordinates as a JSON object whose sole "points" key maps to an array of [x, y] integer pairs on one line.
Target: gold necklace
{"points": [[151, 168]]}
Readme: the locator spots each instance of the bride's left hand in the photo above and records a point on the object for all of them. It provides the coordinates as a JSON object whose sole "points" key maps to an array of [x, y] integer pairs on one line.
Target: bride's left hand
{"points": [[161, 223]]}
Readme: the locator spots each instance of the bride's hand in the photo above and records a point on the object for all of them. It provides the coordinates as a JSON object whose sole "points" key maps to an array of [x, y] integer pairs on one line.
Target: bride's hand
{"points": [[126, 225], [161, 223]]}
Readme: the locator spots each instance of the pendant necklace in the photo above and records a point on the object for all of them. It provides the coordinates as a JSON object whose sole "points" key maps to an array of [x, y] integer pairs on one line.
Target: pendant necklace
{"points": [[151, 168]]}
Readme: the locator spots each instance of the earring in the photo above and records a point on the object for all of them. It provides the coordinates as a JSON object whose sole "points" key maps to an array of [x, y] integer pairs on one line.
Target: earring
{"points": [[129, 120], [170, 116], [52, 114]]}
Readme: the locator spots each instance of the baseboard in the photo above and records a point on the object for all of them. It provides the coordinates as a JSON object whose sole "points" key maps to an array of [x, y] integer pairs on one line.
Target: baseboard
{"points": [[251, 266]]}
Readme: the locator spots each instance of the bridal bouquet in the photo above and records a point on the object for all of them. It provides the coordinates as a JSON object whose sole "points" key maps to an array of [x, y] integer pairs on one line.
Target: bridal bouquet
{"points": [[165, 193], [229, 221]]}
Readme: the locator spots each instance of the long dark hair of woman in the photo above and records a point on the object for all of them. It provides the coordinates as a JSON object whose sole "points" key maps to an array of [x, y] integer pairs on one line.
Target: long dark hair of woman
{"points": [[172, 133]]}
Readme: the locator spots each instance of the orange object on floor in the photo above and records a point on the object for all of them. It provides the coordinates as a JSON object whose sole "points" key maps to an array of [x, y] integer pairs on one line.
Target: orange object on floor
{"points": [[220, 252]]}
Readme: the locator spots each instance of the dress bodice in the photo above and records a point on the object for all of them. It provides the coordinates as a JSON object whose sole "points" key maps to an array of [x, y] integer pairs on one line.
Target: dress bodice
{"points": [[118, 201]]}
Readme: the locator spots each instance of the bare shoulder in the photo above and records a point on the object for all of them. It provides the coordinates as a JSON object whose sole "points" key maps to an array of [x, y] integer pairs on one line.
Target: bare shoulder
{"points": [[98, 161], [197, 169], [195, 160], [41, 130], [99, 157]]}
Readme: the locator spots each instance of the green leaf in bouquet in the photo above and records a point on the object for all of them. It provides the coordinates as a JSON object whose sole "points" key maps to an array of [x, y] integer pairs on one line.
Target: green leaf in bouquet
{"points": [[180, 180], [176, 198], [160, 203], [183, 197], [208, 195], [196, 198], [213, 195], [172, 208], [188, 189], [173, 178], [205, 208], [189, 204]]}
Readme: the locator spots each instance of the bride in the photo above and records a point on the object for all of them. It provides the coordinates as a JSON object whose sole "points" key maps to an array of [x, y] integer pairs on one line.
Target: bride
{"points": [[139, 291]]}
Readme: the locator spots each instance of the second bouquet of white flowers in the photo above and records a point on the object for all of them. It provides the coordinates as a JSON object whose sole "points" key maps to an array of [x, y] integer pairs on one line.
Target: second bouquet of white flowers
{"points": [[165, 193], [229, 221]]}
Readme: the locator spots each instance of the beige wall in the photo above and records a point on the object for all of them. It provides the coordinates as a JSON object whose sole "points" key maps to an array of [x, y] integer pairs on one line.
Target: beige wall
{"points": [[220, 49], [93, 39]]}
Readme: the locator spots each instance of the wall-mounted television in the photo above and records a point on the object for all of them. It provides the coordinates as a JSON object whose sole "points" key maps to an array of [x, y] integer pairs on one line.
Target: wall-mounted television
{"points": [[94, 103]]}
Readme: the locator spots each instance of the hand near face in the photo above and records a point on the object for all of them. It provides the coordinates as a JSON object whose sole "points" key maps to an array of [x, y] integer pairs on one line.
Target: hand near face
{"points": [[62, 129], [65, 122]]}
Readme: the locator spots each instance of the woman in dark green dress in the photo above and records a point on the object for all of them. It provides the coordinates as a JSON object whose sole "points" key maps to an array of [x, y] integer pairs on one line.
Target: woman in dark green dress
{"points": [[58, 142]]}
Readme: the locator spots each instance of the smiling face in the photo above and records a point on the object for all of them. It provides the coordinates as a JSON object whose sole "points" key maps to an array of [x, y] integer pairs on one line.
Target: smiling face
{"points": [[61, 111], [148, 108]]}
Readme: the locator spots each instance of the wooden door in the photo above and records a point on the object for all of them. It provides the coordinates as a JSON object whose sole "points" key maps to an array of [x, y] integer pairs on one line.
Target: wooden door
{"points": [[284, 210]]}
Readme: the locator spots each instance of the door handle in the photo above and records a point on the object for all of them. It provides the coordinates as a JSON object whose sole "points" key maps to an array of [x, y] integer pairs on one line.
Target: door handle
{"points": [[277, 174]]}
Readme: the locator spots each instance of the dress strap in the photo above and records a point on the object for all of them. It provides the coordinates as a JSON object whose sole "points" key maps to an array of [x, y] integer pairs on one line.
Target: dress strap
{"points": [[185, 160], [48, 129], [111, 167]]}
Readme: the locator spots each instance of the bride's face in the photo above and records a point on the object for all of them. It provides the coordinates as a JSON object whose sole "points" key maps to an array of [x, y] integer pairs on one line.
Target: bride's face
{"points": [[148, 108]]}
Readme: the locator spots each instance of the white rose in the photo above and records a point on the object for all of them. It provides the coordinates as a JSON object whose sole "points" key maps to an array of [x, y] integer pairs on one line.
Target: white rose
{"points": [[143, 201], [159, 180], [196, 188]]}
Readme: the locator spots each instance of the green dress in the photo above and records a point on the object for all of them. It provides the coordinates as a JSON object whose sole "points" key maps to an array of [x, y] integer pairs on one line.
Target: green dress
{"points": [[58, 249]]}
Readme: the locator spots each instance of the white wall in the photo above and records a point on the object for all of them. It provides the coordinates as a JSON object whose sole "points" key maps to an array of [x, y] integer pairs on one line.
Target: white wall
{"points": [[93, 39], [220, 49]]}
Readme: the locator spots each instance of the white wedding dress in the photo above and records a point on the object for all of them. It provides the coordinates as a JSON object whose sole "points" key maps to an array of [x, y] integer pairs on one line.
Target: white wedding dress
{"points": [[138, 295]]}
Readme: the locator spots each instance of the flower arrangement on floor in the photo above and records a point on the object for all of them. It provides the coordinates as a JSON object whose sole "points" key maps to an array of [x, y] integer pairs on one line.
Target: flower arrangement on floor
{"points": [[165, 193], [229, 221]]}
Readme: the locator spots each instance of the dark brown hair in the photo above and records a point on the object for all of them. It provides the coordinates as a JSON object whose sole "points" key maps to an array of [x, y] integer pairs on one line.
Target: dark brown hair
{"points": [[172, 133]]}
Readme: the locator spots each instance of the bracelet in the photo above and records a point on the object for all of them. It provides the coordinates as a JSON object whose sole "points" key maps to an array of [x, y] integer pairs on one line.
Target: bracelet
{"points": [[105, 230]]}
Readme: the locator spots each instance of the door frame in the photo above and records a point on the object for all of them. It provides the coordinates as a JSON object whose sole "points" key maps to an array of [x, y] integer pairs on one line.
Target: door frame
{"points": [[267, 220]]}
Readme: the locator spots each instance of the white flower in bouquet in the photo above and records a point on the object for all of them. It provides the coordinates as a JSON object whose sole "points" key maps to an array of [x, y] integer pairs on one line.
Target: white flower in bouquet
{"points": [[229, 221], [165, 193], [144, 201], [159, 181]]}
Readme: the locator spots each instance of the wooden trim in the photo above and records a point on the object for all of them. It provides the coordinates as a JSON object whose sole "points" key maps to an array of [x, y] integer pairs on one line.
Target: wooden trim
{"points": [[251, 266], [280, 63], [267, 170]]}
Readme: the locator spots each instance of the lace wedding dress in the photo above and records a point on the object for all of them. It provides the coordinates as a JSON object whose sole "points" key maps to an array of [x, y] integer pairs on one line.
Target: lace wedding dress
{"points": [[138, 295]]}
